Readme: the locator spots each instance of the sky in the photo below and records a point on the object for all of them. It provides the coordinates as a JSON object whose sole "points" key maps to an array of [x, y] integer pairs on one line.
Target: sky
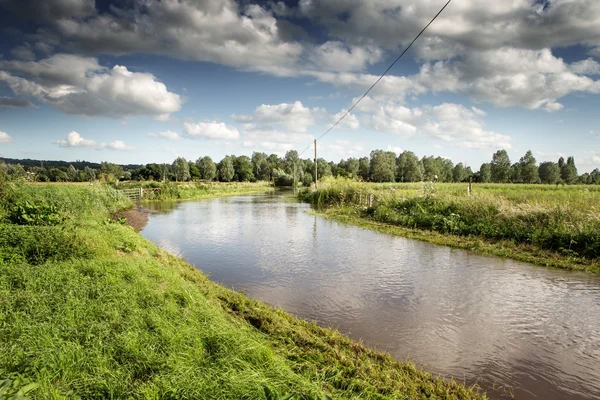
{"points": [[141, 81]]}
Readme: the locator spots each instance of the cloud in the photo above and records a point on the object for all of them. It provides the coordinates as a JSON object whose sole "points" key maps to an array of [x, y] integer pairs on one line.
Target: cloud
{"points": [[210, 130], [5, 137], [292, 117], [461, 126], [23, 53], [463, 27], [79, 85], [75, 140], [336, 56], [220, 31], [13, 102], [50, 10], [170, 135], [586, 67], [594, 133], [395, 149]]}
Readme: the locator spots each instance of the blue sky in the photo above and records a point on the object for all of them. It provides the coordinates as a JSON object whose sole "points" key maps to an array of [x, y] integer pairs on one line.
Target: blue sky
{"points": [[141, 81]]}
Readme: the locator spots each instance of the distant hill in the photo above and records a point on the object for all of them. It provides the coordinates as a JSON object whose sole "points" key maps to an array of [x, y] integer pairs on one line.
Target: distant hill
{"points": [[57, 164]]}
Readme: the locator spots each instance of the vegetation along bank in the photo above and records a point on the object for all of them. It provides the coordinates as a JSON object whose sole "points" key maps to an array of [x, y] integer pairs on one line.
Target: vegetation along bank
{"points": [[544, 224], [90, 309]]}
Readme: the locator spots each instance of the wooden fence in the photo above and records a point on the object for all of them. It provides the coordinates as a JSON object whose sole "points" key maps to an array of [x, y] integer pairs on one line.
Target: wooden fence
{"points": [[136, 194]]}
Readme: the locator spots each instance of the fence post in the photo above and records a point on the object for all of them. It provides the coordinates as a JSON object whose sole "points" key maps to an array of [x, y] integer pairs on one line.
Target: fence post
{"points": [[371, 200], [141, 193]]}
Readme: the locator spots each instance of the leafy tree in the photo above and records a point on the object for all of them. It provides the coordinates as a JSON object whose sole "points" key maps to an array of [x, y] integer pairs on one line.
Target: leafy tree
{"points": [[383, 166], [446, 167], [107, 168], [72, 173], [431, 170], [500, 167], [242, 166], [260, 166], [595, 176], [194, 171], [181, 169], [529, 169], [89, 174], [206, 168], [568, 171], [323, 168], [459, 173], [352, 167], [364, 168], [226, 170], [549, 172], [408, 167], [485, 173], [515, 173]]}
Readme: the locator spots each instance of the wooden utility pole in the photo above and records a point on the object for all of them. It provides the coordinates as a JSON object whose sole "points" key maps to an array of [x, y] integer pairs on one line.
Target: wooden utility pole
{"points": [[316, 164], [294, 176]]}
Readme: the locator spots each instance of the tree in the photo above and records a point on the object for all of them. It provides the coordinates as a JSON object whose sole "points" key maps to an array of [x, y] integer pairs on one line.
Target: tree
{"points": [[408, 167], [242, 166], [194, 171], [485, 173], [549, 172], [500, 167], [568, 171], [529, 169], [181, 169], [260, 166], [72, 173], [383, 166], [89, 174], [108, 169], [323, 168], [595, 176], [364, 168], [207, 168], [352, 167], [459, 173], [226, 170]]}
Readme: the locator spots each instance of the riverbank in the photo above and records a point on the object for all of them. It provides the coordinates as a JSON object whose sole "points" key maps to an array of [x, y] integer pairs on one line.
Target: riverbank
{"points": [[548, 226], [89, 308], [195, 190]]}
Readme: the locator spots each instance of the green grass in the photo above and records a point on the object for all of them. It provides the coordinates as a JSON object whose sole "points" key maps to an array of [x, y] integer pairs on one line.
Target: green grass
{"points": [[196, 190], [90, 309], [543, 224]]}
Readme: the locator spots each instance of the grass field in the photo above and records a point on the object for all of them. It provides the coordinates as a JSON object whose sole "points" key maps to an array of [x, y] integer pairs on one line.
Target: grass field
{"points": [[557, 226], [90, 309]]}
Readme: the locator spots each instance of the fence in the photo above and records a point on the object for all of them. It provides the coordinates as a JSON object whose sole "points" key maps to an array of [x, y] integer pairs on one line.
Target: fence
{"points": [[137, 194]]}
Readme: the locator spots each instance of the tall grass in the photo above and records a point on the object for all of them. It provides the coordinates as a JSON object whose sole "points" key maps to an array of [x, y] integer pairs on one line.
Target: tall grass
{"points": [[96, 311], [563, 220]]}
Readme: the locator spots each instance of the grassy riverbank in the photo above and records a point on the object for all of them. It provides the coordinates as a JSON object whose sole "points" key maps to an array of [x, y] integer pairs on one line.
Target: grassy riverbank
{"points": [[542, 224], [90, 309], [196, 190]]}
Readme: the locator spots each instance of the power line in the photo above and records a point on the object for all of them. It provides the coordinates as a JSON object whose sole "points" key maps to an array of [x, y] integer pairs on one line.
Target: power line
{"points": [[381, 77]]}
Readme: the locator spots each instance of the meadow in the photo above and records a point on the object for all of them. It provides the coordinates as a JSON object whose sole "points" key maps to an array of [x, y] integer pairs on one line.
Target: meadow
{"points": [[90, 309], [557, 226]]}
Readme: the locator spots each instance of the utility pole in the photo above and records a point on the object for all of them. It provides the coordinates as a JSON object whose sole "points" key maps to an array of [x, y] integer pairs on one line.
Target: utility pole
{"points": [[294, 176], [316, 164]]}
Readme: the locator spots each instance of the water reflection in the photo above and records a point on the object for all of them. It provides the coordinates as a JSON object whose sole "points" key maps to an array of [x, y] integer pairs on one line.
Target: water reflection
{"points": [[487, 320]]}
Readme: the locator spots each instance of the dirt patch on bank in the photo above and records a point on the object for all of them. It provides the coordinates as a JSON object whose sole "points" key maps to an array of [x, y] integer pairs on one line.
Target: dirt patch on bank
{"points": [[137, 217]]}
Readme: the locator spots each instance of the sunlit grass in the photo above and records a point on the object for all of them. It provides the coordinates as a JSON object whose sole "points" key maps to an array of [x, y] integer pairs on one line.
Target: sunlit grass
{"points": [[90, 309]]}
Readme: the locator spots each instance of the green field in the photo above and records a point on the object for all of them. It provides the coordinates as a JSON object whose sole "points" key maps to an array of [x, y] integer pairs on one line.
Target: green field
{"points": [[90, 309], [550, 225]]}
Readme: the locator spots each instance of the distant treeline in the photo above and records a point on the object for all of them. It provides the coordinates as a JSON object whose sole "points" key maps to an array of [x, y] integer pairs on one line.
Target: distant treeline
{"points": [[381, 166]]}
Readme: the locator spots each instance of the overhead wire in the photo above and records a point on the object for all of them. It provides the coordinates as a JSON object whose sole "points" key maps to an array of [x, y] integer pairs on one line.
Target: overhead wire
{"points": [[380, 78]]}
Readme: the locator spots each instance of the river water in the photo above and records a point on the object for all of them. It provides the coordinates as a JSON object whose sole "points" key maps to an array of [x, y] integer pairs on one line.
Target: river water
{"points": [[512, 328]]}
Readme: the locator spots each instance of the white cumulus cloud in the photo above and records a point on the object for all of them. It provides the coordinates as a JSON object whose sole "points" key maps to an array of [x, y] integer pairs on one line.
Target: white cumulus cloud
{"points": [[5, 137], [210, 130], [75, 140], [79, 85]]}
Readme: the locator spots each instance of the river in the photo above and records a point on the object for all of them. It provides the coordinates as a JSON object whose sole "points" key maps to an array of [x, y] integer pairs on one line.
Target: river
{"points": [[511, 327]]}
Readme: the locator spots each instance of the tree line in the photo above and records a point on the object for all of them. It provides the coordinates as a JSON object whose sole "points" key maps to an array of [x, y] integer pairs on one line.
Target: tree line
{"points": [[380, 166]]}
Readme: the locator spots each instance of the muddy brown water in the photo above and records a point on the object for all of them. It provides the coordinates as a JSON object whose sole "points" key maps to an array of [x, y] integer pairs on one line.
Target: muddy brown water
{"points": [[512, 328]]}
